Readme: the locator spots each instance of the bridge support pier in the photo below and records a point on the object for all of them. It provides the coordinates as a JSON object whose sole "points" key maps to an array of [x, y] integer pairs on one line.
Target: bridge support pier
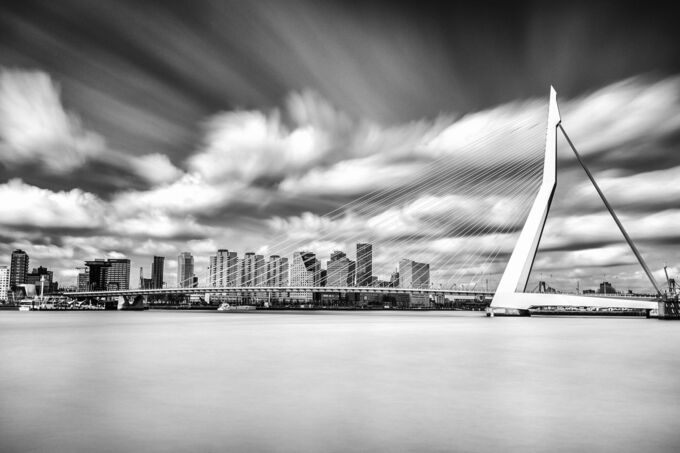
{"points": [[139, 302], [669, 309]]}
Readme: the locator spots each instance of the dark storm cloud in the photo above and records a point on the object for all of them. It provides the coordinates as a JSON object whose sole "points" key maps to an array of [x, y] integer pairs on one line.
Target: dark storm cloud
{"points": [[632, 157], [585, 244], [124, 64], [100, 178]]}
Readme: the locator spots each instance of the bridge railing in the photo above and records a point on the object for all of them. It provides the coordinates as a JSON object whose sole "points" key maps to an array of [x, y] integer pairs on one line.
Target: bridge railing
{"points": [[276, 289]]}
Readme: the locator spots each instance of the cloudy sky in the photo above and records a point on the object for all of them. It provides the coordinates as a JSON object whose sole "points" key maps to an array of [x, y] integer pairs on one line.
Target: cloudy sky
{"points": [[133, 129]]}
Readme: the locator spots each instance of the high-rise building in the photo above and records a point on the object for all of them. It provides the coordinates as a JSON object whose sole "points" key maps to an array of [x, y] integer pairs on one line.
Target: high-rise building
{"points": [[394, 279], [340, 270], [118, 274], [277, 271], [185, 270], [83, 279], [413, 274], [107, 274], [157, 271], [213, 270], [364, 264], [305, 270], [253, 270], [352, 276], [18, 268], [97, 270], [223, 268], [4, 283], [318, 275]]}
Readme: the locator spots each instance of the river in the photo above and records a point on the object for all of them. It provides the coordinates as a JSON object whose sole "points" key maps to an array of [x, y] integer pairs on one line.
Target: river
{"points": [[161, 381]]}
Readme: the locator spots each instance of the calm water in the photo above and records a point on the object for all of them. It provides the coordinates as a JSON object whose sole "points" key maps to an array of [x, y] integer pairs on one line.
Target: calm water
{"points": [[171, 381]]}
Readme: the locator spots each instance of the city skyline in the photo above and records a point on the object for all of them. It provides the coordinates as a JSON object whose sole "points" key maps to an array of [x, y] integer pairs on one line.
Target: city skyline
{"points": [[116, 150], [252, 270]]}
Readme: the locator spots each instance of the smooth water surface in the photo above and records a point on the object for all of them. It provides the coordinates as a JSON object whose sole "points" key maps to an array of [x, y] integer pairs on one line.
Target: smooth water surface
{"points": [[160, 381]]}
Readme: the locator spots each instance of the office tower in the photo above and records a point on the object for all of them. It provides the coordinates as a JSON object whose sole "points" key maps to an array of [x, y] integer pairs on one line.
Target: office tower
{"points": [[303, 269], [421, 275], [157, 271], [18, 268], [277, 271], [97, 270], [83, 279], [4, 283], [253, 270], [340, 270], [107, 274], [118, 274], [413, 274], [364, 264], [185, 270]]}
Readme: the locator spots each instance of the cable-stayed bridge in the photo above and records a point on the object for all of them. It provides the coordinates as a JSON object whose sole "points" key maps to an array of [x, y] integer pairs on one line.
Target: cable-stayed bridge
{"points": [[457, 217]]}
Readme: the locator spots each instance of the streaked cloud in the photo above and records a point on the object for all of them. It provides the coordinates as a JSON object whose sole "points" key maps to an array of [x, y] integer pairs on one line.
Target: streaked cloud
{"points": [[268, 171], [35, 128], [25, 205]]}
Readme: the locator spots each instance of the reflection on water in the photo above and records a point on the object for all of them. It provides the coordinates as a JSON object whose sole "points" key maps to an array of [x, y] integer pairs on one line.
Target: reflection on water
{"points": [[167, 381]]}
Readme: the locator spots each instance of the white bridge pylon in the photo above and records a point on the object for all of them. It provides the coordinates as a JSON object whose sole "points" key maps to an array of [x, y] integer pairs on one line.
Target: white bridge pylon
{"points": [[510, 298]]}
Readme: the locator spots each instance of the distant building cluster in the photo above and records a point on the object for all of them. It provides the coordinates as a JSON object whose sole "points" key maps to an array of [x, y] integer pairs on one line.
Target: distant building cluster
{"points": [[226, 269], [303, 269], [16, 281], [229, 270], [105, 275]]}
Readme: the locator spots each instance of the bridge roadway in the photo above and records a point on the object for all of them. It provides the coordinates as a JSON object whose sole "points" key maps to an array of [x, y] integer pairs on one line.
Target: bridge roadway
{"points": [[528, 299], [278, 289]]}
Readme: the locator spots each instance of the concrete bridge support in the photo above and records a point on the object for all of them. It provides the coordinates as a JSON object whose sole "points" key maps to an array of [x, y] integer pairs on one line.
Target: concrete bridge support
{"points": [[510, 298], [139, 302]]}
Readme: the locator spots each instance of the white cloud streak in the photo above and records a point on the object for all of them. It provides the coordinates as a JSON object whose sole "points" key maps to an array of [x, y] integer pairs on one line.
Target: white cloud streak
{"points": [[35, 128], [309, 148]]}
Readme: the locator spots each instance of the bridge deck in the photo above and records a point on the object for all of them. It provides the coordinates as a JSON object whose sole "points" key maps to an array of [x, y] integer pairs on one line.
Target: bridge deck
{"points": [[277, 289]]}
